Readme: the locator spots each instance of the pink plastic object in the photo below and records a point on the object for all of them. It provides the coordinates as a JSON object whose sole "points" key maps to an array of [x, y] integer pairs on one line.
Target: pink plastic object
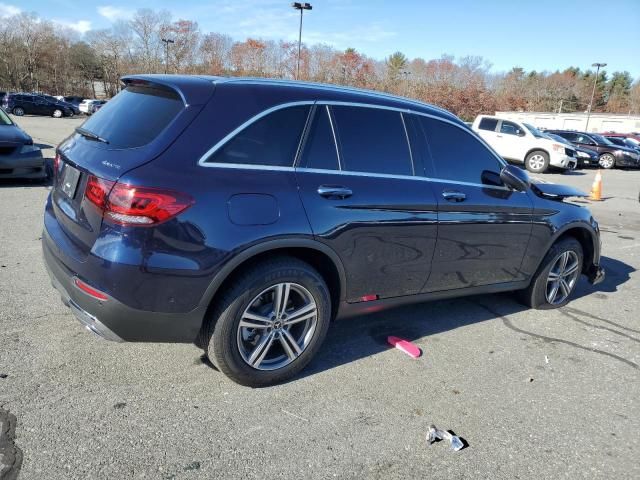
{"points": [[404, 345]]}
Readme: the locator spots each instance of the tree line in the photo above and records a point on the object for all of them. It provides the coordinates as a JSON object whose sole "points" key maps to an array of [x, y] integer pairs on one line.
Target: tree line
{"points": [[39, 55]]}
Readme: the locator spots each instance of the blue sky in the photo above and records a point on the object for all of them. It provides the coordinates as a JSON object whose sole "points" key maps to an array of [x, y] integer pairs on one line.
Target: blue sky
{"points": [[540, 34]]}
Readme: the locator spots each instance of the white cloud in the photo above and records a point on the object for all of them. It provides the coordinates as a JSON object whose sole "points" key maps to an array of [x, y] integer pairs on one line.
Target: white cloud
{"points": [[114, 13], [81, 26], [7, 10]]}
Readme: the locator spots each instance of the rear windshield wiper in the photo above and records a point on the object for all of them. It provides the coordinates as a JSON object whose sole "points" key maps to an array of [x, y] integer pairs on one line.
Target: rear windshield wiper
{"points": [[91, 135]]}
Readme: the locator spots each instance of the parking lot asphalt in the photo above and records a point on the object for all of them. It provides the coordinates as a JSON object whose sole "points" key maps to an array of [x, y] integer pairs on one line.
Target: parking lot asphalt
{"points": [[534, 394]]}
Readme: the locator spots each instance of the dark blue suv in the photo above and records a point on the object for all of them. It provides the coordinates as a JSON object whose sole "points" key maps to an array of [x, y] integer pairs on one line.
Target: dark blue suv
{"points": [[244, 215]]}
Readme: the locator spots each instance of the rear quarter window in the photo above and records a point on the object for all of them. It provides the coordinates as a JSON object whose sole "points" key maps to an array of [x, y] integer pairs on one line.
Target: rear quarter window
{"points": [[272, 140], [136, 116]]}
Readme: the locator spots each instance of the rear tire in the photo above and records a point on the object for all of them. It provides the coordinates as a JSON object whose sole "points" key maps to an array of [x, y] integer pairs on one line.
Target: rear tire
{"points": [[540, 292], [18, 111], [537, 161], [252, 299]]}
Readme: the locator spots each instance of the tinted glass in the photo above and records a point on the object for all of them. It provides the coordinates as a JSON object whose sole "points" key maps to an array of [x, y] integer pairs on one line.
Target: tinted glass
{"points": [[135, 116], [572, 137], [509, 128], [488, 124], [457, 155], [272, 140], [320, 148], [372, 140]]}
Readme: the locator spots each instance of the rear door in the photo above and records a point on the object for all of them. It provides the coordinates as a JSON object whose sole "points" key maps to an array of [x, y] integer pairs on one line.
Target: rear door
{"points": [[357, 183], [483, 226]]}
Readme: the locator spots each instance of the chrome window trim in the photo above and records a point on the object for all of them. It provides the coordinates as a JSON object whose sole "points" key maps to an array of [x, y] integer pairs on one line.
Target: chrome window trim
{"points": [[406, 134], [335, 139], [203, 159]]}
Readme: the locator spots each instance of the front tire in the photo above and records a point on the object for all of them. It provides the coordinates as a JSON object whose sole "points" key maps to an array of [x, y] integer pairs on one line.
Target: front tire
{"points": [[537, 161], [269, 323], [607, 161], [57, 113], [556, 277]]}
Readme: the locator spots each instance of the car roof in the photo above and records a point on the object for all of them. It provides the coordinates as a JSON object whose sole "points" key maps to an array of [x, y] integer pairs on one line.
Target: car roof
{"points": [[196, 89]]}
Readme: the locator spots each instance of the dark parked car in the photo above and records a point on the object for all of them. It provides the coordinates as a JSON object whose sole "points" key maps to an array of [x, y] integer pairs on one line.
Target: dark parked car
{"points": [[28, 103], [247, 220], [609, 154], [19, 157], [586, 157], [624, 142]]}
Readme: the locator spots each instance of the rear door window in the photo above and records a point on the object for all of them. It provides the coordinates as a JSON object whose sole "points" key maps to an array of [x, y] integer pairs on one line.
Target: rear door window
{"points": [[372, 140], [457, 154], [136, 116], [320, 150], [271, 140], [488, 124]]}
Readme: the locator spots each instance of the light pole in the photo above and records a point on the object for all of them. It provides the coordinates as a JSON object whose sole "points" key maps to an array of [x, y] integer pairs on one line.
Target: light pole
{"points": [[166, 41], [302, 7], [405, 74], [593, 92]]}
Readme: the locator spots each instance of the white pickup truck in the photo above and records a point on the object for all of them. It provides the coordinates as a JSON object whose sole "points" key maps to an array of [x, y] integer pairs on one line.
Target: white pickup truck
{"points": [[523, 143]]}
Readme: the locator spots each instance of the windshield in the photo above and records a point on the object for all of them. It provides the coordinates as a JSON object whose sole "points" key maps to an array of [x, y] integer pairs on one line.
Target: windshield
{"points": [[558, 138], [534, 131], [4, 118], [632, 142], [600, 139], [136, 116]]}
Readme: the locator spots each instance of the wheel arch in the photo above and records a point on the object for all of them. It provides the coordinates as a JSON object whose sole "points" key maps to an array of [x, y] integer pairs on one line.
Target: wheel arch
{"points": [[583, 234], [535, 149], [317, 254]]}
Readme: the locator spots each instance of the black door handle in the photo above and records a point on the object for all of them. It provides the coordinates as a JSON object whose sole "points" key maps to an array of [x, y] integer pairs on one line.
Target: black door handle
{"points": [[454, 196], [334, 191]]}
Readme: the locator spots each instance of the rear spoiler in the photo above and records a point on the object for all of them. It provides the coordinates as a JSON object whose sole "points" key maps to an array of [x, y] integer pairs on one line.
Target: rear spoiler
{"points": [[193, 90]]}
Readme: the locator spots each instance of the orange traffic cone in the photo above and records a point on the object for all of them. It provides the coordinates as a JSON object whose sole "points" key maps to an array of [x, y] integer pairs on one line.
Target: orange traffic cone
{"points": [[596, 188]]}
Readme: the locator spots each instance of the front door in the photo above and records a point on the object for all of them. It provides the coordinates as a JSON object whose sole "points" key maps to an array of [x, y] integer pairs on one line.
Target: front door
{"points": [[364, 201], [483, 226]]}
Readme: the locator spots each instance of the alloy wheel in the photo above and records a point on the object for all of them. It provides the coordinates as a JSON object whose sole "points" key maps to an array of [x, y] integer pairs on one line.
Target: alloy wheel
{"points": [[57, 113], [606, 160], [277, 326], [536, 162], [562, 277]]}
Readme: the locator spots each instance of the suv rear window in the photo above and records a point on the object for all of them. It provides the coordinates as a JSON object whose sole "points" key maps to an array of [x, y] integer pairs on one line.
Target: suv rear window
{"points": [[135, 116]]}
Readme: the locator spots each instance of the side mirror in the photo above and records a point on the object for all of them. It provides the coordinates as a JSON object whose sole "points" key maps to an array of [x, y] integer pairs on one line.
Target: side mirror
{"points": [[521, 133], [515, 177]]}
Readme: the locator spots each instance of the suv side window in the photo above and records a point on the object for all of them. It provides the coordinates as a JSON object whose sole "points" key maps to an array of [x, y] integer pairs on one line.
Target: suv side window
{"points": [[509, 128], [457, 154], [272, 140], [488, 124], [372, 140], [320, 147], [584, 139], [572, 137]]}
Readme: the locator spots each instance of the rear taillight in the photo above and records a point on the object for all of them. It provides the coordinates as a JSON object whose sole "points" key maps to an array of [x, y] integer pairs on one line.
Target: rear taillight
{"points": [[131, 205]]}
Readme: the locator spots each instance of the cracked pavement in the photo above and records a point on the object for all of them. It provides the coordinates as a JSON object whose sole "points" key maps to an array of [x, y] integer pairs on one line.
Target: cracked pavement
{"points": [[534, 393]]}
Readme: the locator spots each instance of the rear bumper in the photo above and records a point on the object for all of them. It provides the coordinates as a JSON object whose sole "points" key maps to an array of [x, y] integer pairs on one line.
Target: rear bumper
{"points": [[31, 165], [113, 320]]}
